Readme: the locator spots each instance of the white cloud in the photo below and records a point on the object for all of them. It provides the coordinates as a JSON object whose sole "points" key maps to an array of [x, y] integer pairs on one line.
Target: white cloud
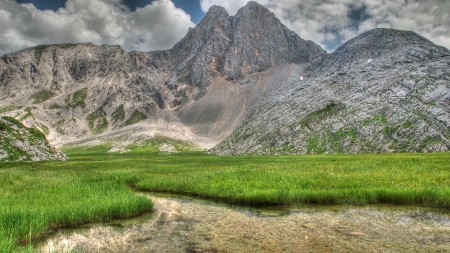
{"points": [[158, 25], [327, 22]]}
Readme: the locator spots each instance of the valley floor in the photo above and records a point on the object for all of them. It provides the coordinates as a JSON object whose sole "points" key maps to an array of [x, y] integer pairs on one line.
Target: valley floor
{"points": [[94, 185]]}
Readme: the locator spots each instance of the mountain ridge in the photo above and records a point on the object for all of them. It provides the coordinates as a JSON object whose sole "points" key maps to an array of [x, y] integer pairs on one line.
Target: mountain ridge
{"points": [[244, 81], [357, 101]]}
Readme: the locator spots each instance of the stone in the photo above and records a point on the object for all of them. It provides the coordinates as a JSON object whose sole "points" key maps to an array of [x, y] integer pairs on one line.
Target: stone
{"points": [[308, 225], [356, 234]]}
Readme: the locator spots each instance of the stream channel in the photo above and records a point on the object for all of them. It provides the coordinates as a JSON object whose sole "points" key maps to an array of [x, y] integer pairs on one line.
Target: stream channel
{"points": [[184, 224]]}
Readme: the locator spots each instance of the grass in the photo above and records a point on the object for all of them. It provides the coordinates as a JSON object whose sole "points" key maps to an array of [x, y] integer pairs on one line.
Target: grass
{"points": [[38, 50], [322, 179], [39, 196], [153, 145], [97, 121], [118, 114], [9, 108], [330, 108], [54, 106], [27, 114], [93, 184], [78, 98], [42, 96], [135, 118], [44, 129], [59, 126]]}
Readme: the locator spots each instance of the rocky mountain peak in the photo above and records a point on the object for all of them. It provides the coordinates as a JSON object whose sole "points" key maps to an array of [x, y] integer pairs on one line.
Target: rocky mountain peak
{"points": [[380, 46], [253, 40], [214, 11], [253, 8]]}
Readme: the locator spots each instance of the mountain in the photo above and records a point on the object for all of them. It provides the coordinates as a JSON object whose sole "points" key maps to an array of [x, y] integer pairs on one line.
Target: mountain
{"points": [[192, 92], [19, 143], [242, 84], [383, 91]]}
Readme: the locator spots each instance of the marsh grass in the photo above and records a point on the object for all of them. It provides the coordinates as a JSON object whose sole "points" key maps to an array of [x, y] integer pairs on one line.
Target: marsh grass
{"points": [[323, 179], [92, 185], [36, 197]]}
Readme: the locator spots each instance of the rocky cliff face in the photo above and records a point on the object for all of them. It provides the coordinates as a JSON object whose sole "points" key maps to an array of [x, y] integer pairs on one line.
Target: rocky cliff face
{"points": [[245, 80], [383, 91], [252, 41], [18, 143]]}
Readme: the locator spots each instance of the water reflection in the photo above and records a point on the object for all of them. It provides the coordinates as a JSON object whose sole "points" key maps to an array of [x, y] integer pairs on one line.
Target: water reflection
{"points": [[180, 224]]}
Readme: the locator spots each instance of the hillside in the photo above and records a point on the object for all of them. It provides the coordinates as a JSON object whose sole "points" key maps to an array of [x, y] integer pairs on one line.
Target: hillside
{"points": [[19, 143], [383, 91]]}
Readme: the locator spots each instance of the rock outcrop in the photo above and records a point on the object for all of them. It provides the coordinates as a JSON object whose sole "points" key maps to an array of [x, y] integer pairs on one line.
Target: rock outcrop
{"points": [[19, 143]]}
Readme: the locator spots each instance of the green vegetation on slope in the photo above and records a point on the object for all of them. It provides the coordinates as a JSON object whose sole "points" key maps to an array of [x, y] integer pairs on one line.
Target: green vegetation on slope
{"points": [[44, 129], [118, 114], [54, 106], [38, 50], [26, 115], [42, 96], [9, 108], [78, 98], [135, 118], [321, 113], [97, 121], [13, 131], [154, 145]]}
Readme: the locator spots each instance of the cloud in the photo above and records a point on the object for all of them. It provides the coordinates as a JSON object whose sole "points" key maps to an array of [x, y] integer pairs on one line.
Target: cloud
{"points": [[330, 23], [158, 25]]}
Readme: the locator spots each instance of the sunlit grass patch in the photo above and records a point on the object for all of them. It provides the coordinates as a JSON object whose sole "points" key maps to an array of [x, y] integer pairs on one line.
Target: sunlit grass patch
{"points": [[36, 197]]}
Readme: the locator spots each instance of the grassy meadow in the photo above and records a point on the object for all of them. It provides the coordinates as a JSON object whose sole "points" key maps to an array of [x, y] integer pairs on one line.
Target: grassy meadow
{"points": [[94, 185]]}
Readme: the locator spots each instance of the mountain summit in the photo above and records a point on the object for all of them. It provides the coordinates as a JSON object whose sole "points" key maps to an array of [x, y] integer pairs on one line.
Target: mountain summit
{"points": [[244, 81], [382, 46], [252, 41]]}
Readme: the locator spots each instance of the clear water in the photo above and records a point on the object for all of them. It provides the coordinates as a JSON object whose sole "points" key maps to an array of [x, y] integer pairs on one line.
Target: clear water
{"points": [[180, 224]]}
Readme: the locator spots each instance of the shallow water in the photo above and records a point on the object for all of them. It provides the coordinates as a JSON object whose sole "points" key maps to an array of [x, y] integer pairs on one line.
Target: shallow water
{"points": [[180, 224]]}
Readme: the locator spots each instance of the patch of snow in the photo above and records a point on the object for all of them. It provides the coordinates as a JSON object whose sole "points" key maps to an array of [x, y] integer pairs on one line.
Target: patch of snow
{"points": [[368, 61]]}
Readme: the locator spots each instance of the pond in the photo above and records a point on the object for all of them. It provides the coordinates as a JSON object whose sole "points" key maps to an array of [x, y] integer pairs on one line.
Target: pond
{"points": [[182, 224]]}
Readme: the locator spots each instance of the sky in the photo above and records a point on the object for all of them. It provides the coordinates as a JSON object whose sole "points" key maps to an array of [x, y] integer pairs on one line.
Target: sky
{"points": [[147, 25]]}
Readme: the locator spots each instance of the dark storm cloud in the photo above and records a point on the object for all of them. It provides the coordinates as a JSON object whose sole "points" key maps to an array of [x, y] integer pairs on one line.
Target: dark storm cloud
{"points": [[156, 26]]}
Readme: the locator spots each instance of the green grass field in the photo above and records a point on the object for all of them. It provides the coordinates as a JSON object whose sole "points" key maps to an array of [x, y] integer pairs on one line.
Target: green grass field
{"points": [[94, 185]]}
